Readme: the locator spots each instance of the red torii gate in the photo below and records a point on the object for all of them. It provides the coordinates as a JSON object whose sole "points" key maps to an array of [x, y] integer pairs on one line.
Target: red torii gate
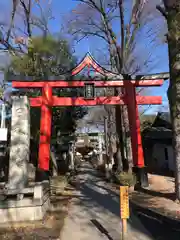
{"points": [[130, 98]]}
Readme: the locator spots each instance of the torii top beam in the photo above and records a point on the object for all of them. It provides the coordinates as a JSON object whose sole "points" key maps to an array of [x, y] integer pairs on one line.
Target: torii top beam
{"points": [[71, 84]]}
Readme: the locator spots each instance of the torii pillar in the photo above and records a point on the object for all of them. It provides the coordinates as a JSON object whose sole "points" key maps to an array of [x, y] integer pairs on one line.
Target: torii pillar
{"points": [[45, 134], [136, 141]]}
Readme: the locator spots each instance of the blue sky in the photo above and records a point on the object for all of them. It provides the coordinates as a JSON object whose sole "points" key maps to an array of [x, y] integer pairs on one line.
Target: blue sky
{"points": [[60, 8]]}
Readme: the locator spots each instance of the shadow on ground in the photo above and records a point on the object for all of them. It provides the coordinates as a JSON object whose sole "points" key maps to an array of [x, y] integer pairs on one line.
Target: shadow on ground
{"points": [[96, 194], [153, 193], [161, 172]]}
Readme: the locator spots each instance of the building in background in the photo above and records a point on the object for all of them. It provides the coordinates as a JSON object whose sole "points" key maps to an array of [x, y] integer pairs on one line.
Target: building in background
{"points": [[157, 143]]}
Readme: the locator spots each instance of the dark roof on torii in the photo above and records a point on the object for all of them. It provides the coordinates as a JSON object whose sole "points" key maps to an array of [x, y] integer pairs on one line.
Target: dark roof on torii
{"points": [[100, 73]]}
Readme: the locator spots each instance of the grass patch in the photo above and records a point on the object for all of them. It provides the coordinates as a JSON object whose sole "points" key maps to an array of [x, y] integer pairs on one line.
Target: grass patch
{"points": [[58, 183]]}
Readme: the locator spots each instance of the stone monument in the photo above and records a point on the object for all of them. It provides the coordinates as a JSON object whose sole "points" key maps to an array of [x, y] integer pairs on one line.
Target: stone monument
{"points": [[20, 144], [20, 200]]}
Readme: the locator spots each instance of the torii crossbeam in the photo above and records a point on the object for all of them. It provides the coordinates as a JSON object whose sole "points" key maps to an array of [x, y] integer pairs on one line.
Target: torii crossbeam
{"points": [[130, 98]]}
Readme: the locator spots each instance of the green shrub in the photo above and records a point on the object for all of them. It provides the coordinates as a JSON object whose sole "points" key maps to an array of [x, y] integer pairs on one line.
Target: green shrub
{"points": [[127, 179]]}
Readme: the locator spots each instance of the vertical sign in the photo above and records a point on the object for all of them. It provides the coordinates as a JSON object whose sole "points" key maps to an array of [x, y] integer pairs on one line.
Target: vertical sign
{"points": [[124, 209], [89, 91], [124, 202]]}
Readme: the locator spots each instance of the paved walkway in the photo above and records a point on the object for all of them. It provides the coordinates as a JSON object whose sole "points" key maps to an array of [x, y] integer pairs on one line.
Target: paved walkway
{"points": [[94, 212]]}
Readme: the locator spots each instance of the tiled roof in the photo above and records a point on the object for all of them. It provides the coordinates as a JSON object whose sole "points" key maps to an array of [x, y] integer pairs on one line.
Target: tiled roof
{"points": [[164, 116]]}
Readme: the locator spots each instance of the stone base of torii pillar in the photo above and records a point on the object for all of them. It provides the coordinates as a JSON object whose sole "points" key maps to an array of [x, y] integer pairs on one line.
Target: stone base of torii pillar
{"points": [[20, 200]]}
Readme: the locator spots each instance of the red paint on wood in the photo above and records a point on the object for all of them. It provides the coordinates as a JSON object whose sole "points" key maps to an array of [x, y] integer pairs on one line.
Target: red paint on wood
{"points": [[80, 101], [70, 84], [35, 102], [134, 124], [45, 128], [147, 100]]}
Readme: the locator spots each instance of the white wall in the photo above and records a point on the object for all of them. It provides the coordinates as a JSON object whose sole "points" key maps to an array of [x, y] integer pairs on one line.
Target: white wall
{"points": [[159, 154], [171, 158]]}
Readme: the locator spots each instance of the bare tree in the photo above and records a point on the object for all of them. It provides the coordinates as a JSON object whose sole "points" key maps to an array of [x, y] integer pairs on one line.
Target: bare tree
{"points": [[136, 22], [14, 36], [16, 32]]}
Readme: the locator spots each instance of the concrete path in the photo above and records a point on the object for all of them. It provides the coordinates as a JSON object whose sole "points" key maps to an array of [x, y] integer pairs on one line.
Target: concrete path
{"points": [[94, 212]]}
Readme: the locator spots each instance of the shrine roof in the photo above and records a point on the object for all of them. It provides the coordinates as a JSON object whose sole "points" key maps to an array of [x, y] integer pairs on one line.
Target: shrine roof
{"points": [[100, 73]]}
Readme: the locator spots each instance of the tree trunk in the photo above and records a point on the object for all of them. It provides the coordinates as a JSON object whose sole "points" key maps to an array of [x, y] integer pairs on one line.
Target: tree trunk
{"points": [[110, 136], [173, 22], [127, 139], [174, 102], [108, 124], [124, 153], [120, 158]]}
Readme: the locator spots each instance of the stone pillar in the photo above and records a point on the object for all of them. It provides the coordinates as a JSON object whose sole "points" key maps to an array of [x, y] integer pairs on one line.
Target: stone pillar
{"points": [[20, 143], [3, 116]]}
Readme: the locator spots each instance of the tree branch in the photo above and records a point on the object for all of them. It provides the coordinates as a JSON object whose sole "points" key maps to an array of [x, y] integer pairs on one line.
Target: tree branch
{"points": [[122, 30], [162, 11], [27, 11], [15, 2]]}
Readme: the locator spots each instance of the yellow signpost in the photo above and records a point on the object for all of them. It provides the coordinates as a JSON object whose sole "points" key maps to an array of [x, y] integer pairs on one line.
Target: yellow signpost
{"points": [[124, 208]]}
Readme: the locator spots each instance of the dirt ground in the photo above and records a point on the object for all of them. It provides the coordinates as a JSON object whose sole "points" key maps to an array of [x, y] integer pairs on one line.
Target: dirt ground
{"points": [[49, 228], [159, 196]]}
